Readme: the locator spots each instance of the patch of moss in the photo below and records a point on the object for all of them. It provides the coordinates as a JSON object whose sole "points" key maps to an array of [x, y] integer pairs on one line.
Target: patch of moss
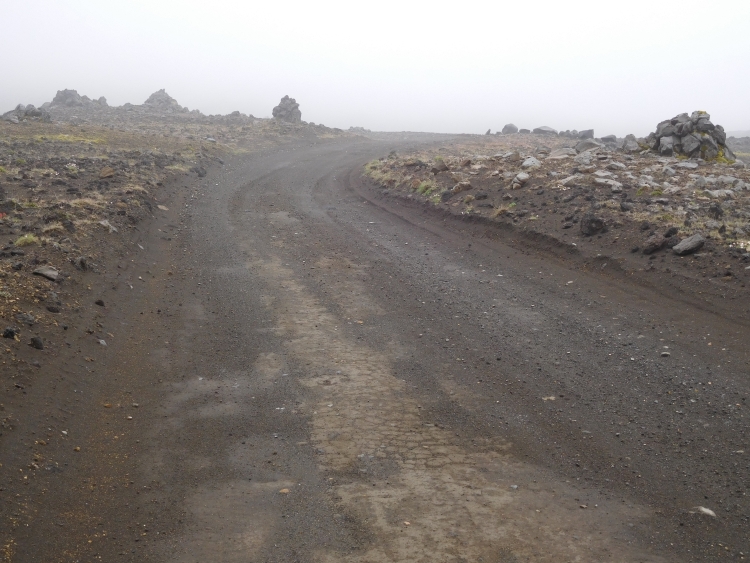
{"points": [[3, 170], [657, 192], [27, 240], [643, 190]]}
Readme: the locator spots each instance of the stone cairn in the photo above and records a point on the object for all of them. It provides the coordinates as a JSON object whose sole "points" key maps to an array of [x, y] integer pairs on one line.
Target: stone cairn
{"points": [[691, 136], [288, 110]]}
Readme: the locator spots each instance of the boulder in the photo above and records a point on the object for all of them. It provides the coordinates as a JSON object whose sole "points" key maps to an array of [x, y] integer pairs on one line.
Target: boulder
{"points": [[630, 144], [510, 128], [609, 139], [288, 110], [689, 245], [587, 134], [524, 131], [544, 130]]}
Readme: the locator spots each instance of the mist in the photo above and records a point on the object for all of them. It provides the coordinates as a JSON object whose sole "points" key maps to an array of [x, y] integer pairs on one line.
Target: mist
{"points": [[389, 66]]}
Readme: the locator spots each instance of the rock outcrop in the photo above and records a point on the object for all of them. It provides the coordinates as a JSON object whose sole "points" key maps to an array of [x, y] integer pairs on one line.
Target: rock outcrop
{"points": [[692, 136], [288, 110], [68, 98], [26, 113]]}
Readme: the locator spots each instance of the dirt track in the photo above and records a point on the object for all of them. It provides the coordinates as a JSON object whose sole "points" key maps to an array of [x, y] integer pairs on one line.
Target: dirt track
{"points": [[321, 374]]}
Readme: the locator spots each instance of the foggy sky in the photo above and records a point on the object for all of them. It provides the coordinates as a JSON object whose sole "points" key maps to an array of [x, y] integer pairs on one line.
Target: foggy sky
{"points": [[458, 67]]}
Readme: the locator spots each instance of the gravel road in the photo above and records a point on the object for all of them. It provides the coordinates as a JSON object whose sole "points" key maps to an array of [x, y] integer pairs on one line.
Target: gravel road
{"points": [[325, 374]]}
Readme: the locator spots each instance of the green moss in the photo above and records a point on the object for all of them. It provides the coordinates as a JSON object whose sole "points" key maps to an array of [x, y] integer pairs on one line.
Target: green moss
{"points": [[20, 161], [3, 170], [27, 240], [657, 192], [426, 188], [643, 190]]}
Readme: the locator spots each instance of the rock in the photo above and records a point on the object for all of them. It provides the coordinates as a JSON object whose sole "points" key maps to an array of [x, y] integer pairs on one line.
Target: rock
{"points": [[99, 302], [614, 165], [37, 343], [587, 145], [439, 166], [653, 243], [461, 187], [559, 154], [513, 156], [288, 110], [627, 206], [689, 245], [11, 332], [521, 178], [47, 272], [531, 163], [544, 130], [106, 172], [510, 128], [609, 139], [524, 131], [630, 144], [27, 113], [489, 132], [688, 165], [587, 134], [67, 98], [591, 225], [666, 146]]}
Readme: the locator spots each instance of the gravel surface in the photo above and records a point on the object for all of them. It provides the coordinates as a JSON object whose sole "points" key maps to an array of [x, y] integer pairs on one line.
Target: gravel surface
{"points": [[307, 369]]}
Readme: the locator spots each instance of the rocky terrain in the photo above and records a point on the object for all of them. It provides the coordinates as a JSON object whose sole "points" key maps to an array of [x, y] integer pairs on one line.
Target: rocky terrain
{"points": [[628, 201]]}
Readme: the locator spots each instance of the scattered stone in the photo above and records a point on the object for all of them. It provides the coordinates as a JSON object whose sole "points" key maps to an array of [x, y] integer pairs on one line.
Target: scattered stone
{"points": [[609, 139], [587, 145], [559, 154], [591, 225], [654, 243], [47, 272], [531, 163], [37, 343], [11, 332], [510, 128], [106, 172], [689, 245], [461, 187]]}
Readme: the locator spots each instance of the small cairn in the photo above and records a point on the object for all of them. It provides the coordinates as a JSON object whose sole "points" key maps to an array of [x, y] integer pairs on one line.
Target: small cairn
{"points": [[691, 136]]}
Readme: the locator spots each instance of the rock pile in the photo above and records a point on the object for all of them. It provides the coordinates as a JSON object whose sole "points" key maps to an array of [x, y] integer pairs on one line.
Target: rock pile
{"points": [[162, 101], [71, 98], [691, 136], [288, 110], [27, 113]]}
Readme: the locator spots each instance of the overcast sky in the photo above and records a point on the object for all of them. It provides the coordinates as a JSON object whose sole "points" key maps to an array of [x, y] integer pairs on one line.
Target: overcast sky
{"points": [[467, 66]]}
